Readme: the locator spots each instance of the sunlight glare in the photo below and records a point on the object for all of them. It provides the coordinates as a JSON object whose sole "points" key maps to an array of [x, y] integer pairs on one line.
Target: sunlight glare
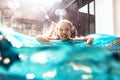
{"points": [[49, 74]]}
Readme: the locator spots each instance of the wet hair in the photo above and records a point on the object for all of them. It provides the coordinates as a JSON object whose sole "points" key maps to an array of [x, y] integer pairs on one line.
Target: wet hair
{"points": [[68, 22], [72, 28]]}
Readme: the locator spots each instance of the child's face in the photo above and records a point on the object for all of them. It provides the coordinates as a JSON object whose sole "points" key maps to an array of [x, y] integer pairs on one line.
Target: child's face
{"points": [[64, 31]]}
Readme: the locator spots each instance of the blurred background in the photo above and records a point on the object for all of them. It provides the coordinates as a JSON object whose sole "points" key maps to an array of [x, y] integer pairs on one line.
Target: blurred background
{"points": [[34, 17]]}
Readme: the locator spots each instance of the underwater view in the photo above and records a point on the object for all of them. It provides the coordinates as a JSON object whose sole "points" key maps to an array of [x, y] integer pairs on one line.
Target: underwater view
{"points": [[22, 57]]}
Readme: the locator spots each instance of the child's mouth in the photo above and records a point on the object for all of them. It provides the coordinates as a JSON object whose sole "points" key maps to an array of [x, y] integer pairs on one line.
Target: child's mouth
{"points": [[65, 36]]}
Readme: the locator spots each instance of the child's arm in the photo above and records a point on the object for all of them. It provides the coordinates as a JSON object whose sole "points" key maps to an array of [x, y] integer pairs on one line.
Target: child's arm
{"points": [[45, 39], [52, 29], [88, 40], [42, 39]]}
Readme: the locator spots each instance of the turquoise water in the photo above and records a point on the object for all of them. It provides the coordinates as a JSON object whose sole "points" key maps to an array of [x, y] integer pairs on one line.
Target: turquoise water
{"points": [[60, 60]]}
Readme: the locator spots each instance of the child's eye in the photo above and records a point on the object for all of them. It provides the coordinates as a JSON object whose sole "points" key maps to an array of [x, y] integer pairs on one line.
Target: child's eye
{"points": [[61, 30], [67, 29]]}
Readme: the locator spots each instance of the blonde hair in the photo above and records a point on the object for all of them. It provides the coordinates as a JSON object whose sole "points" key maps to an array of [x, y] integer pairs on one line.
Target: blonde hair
{"points": [[72, 28]]}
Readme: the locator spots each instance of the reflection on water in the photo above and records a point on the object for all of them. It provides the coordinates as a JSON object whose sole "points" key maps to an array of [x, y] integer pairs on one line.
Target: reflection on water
{"points": [[61, 60]]}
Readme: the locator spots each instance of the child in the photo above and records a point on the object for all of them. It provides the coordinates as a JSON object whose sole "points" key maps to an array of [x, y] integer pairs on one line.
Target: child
{"points": [[63, 31]]}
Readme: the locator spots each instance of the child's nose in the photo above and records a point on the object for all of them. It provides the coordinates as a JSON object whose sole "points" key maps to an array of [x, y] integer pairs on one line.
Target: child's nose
{"points": [[64, 32]]}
